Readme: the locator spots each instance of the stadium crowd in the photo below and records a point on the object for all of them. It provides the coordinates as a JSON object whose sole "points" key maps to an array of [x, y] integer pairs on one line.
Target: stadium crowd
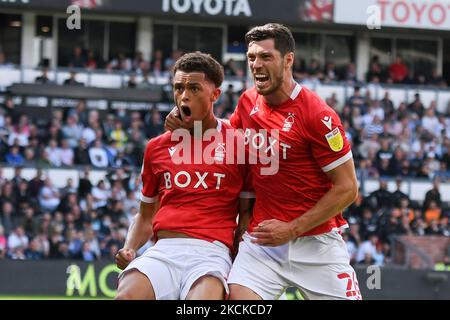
{"points": [[89, 222]]}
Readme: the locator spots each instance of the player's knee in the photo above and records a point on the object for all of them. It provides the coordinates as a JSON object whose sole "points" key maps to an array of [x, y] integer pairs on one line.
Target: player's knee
{"points": [[123, 294], [238, 292]]}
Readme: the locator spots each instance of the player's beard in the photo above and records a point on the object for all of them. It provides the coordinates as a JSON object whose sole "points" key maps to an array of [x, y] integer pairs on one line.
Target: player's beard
{"points": [[276, 82]]}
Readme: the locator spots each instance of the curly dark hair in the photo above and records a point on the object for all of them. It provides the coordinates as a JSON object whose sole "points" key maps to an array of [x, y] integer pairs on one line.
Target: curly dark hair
{"points": [[284, 41], [201, 62]]}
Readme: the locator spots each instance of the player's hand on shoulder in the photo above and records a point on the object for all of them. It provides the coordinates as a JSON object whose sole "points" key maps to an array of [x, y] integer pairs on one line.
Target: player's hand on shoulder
{"points": [[124, 256], [173, 120]]}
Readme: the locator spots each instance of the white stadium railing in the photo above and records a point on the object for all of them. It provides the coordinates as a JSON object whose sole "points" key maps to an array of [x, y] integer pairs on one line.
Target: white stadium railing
{"points": [[118, 79]]}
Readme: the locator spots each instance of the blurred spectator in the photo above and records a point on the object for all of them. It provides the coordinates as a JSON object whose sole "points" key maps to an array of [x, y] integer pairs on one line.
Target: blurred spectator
{"points": [[49, 196], [350, 75], [433, 228], [227, 102], [97, 155], [10, 110], [375, 69], [231, 69], [77, 59], [62, 251], [398, 71], [433, 195], [367, 251], [74, 238], [437, 79], [417, 106], [140, 64], [4, 64], [43, 78], [398, 195], [430, 122], [72, 80], [82, 153], [121, 160], [443, 174], [170, 61], [100, 195], [432, 213], [84, 184], [299, 68], [382, 197], [332, 101], [33, 252], [54, 153], [132, 83], [154, 124], [357, 100], [14, 158], [120, 63], [80, 112], [157, 63], [69, 188], [17, 243], [9, 217], [91, 61], [118, 135], [387, 104], [90, 237], [72, 130], [145, 83], [66, 154], [329, 73]]}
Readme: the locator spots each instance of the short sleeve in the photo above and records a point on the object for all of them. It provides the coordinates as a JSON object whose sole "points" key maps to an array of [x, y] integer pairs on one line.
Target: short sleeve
{"points": [[329, 144], [150, 182]]}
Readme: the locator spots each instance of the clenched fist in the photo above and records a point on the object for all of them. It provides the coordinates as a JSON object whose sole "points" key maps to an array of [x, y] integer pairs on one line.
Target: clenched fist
{"points": [[124, 256]]}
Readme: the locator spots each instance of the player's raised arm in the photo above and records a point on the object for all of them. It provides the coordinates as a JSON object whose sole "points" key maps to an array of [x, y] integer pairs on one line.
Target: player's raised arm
{"points": [[139, 233], [173, 120]]}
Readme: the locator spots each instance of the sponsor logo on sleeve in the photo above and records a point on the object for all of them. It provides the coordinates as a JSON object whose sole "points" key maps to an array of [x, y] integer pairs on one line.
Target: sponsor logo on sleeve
{"points": [[334, 139]]}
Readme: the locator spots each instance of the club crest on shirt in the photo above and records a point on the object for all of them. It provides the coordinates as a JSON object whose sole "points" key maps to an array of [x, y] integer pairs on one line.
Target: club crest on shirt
{"points": [[219, 152], [334, 139], [288, 122]]}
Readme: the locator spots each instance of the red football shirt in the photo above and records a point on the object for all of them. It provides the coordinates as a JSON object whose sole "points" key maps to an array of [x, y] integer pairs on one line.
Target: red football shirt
{"points": [[311, 142], [200, 200]]}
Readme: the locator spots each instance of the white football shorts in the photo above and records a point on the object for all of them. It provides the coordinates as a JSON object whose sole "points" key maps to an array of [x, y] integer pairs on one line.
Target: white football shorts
{"points": [[173, 265], [319, 266]]}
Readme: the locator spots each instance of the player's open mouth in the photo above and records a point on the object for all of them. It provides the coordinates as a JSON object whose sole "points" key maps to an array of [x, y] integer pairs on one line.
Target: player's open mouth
{"points": [[186, 114], [186, 111], [261, 78]]}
